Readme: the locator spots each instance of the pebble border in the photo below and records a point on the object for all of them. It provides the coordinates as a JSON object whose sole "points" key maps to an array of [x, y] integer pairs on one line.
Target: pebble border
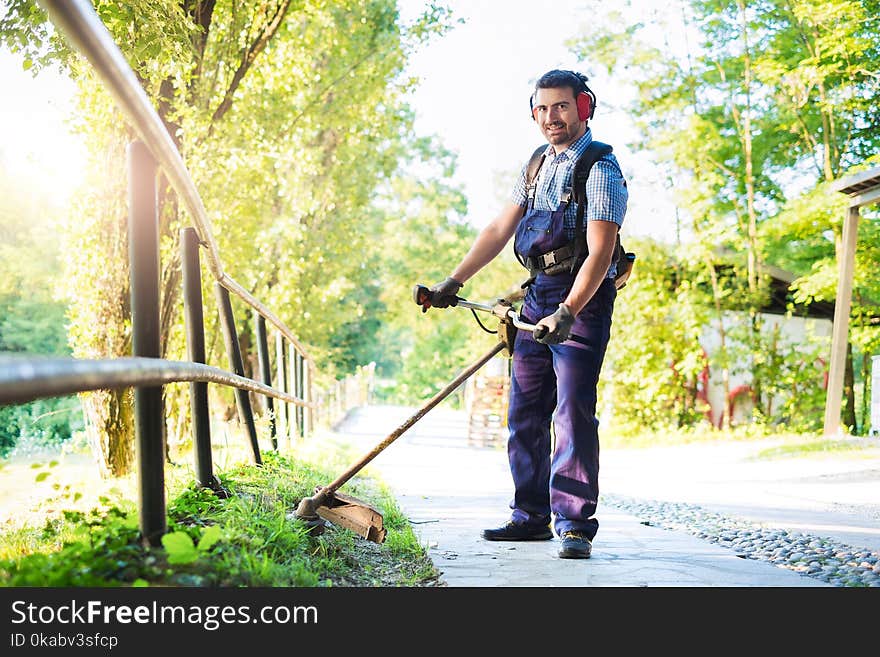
{"points": [[814, 556]]}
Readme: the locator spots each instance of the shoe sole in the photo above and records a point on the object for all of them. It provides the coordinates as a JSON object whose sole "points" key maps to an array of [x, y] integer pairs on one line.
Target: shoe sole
{"points": [[536, 537], [573, 554]]}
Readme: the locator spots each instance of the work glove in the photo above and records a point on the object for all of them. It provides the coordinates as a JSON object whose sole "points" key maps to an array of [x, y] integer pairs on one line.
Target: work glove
{"points": [[443, 294], [555, 328]]}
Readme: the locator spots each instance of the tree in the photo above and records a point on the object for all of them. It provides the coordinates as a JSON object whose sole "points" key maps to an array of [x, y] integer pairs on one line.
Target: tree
{"points": [[774, 87], [288, 115]]}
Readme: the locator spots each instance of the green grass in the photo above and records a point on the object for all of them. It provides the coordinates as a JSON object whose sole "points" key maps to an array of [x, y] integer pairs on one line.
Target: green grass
{"points": [[679, 436], [780, 444], [251, 538], [822, 447]]}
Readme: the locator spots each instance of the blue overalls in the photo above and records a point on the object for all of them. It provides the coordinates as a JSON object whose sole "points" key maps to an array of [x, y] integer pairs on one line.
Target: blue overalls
{"points": [[556, 383]]}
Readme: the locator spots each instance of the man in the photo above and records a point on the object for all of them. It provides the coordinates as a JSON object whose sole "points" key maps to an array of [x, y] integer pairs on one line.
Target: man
{"points": [[556, 369]]}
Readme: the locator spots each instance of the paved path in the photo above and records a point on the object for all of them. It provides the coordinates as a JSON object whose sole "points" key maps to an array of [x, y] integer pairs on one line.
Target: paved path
{"points": [[451, 490]]}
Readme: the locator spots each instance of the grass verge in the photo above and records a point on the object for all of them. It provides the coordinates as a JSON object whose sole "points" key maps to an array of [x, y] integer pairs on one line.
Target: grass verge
{"points": [[807, 447], [251, 538]]}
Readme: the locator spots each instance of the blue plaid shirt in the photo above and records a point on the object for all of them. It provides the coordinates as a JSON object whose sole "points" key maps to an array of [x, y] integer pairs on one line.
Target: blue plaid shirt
{"points": [[607, 194]]}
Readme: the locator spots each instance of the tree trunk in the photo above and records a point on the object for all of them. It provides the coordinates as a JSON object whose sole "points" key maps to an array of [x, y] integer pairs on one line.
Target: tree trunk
{"points": [[100, 316], [724, 420], [109, 416], [849, 392]]}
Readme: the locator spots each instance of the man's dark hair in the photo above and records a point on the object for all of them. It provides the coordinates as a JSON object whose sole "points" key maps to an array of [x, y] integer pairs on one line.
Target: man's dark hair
{"points": [[558, 78]]}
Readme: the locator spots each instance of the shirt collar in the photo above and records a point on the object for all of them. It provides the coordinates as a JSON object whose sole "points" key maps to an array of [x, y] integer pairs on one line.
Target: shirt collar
{"points": [[575, 149]]}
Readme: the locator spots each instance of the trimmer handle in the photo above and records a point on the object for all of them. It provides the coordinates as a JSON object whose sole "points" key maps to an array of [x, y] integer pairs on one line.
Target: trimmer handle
{"points": [[502, 309], [423, 296]]}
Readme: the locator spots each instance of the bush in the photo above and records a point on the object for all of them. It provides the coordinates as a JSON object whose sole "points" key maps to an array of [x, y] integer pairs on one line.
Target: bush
{"points": [[41, 423]]}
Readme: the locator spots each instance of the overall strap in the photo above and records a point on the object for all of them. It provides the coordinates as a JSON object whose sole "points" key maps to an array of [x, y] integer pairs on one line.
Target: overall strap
{"points": [[534, 165]]}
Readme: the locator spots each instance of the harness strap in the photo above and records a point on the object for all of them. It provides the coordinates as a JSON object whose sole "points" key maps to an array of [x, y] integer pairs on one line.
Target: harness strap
{"points": [[534, 165], [594, 152]]}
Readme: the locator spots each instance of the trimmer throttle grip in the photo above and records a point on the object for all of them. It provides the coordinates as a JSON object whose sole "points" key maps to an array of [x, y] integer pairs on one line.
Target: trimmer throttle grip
{"points": [[423, 296]]}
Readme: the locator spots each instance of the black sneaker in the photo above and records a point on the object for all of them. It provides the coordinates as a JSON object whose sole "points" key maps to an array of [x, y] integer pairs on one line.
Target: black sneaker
{"points": [[518, 532], [575, 545]]}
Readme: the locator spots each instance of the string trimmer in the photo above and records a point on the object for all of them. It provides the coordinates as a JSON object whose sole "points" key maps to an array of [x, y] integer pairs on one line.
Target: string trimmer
{"points": [[329, 505]]}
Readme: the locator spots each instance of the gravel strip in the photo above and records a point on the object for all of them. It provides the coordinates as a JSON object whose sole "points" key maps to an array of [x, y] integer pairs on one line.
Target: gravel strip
{"points": [[813, 556]]}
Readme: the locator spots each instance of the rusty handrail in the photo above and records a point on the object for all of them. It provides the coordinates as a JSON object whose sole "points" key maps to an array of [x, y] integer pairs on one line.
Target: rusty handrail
{"points": [[26, 378]]}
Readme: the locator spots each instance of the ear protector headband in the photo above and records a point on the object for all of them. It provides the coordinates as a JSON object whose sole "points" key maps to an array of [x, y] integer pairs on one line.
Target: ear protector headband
{"points": [[584, 97]]}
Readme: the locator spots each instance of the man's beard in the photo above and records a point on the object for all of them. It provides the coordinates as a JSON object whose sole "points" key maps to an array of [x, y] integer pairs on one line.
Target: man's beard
{"points": [[563, 134]]}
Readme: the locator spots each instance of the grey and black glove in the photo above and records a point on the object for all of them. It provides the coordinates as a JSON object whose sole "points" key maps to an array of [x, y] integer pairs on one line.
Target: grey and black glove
{"points": [[444, 294], [555, 328]]}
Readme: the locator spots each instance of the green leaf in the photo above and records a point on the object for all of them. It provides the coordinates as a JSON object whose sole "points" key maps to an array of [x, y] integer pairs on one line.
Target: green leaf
{"points": [[42, 475], [140, 583], [209, 537], [179, 547]]}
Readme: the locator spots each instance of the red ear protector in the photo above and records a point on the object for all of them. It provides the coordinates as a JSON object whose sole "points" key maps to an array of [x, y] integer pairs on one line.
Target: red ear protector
{"points": [[586, 99], [585, 105]]}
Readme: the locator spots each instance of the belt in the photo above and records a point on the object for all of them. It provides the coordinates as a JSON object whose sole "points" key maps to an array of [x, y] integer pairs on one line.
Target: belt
{"points": [[553, 262]]}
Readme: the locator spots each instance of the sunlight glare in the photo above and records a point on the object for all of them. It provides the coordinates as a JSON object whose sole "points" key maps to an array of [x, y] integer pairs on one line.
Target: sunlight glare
{"points": [[37, 147]]}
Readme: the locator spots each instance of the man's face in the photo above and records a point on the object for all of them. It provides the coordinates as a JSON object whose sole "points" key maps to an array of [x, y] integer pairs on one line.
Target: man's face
{"points": [[555, 112]]}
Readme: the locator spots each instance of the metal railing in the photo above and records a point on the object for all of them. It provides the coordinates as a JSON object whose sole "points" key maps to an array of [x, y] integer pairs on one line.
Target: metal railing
{"points": [[23, 379]]}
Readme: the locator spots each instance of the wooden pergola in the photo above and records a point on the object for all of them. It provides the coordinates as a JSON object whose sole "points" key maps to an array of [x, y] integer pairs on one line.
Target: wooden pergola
{"points": [[863, 189]]}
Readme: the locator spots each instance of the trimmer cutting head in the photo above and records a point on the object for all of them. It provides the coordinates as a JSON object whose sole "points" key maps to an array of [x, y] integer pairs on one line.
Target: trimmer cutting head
{"points": [[354, 514], [342, 510]]}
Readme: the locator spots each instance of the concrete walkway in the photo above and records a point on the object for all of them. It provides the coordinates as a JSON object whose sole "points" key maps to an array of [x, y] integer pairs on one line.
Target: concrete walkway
{"points": [[450, 491]]}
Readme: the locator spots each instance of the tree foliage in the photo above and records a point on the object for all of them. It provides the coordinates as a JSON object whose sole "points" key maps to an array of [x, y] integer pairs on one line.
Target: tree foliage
{"points": [[292, 119], [31, 315], [645, 387], [754, 107]]}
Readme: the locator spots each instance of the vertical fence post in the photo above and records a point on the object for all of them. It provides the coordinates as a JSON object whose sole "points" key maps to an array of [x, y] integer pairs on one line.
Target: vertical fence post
{"points": [[193, 310], [300, 415], [281, 362], [294, 415], [297, 390], [307, 396], [149, 414], [840, 326], [233, 351], [265, 371]]}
